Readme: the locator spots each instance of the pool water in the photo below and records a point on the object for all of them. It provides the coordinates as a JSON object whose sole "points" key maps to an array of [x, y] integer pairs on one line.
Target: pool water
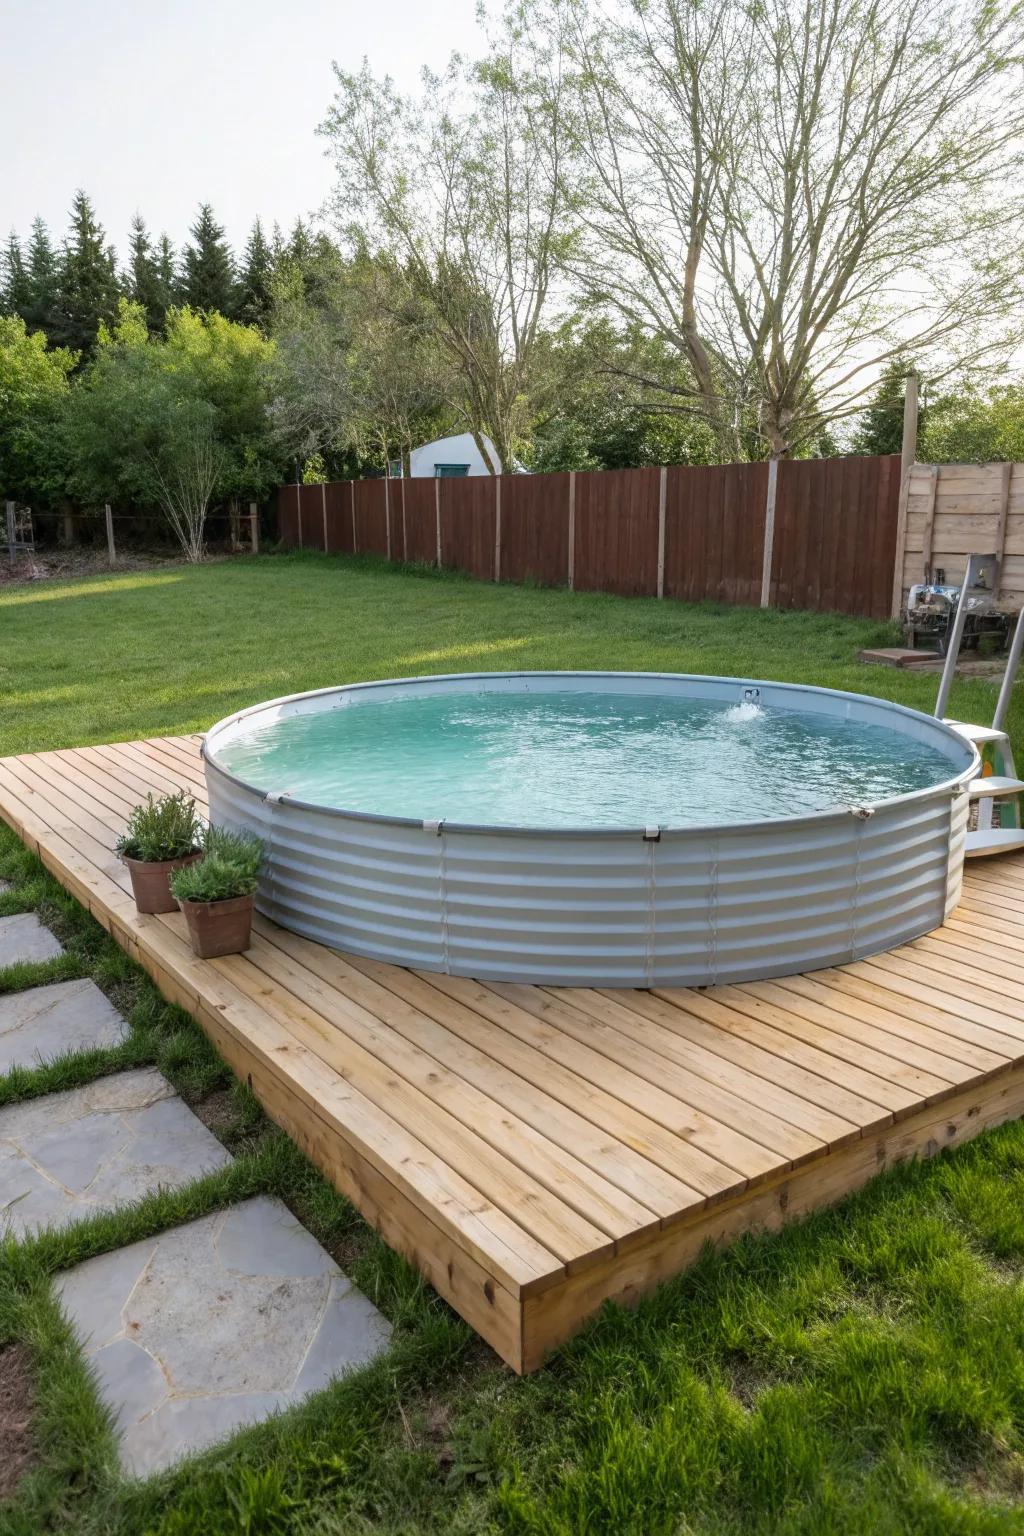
{"points": [[568, 758]]}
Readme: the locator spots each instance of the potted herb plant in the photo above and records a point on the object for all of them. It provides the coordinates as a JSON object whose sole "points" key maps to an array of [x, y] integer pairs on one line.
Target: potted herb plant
{"points": [[216, 894], [162, 836]]}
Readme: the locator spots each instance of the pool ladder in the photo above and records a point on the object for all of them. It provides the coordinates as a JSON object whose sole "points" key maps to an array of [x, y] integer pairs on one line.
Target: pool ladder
{"points": [[997, 782]]}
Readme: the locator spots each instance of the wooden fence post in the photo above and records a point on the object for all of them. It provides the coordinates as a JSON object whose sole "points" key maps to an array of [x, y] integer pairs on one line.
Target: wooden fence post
{"points": [[323, 500], [572, 530], [908, 455], [11, 533], [352, 488], [254, 527], [1004, 510], [929, 522], [497, 527], [387, 512], [769, 532], [437, 515], [111, 551], [662, 497]]}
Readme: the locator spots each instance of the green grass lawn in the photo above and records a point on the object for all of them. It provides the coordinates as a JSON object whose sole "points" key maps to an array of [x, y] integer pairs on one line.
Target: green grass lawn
{"points": [[862, 1372], [174, 649]]}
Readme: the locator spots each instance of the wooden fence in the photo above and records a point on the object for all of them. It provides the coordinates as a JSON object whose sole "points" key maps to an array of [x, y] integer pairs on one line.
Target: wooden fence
{"points": [[954, 510], [817, 533]]}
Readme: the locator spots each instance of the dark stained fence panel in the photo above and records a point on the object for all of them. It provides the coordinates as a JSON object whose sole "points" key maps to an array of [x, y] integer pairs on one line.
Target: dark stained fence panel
{"points": [[288, 516], [714, 532], [467, 524], [535, 528], [371, 512], [420, 521], [833, 550], [617, 531], [835, 535], [339, 517], [311, 516]]}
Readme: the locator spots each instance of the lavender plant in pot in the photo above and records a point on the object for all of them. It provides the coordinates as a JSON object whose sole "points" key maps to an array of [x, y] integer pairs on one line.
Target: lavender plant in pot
{"points": [[217, 893], [161, 836]]}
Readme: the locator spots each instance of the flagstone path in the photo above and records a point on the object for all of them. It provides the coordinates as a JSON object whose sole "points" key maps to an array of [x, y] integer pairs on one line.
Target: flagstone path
{"points": [[203, 1327]]}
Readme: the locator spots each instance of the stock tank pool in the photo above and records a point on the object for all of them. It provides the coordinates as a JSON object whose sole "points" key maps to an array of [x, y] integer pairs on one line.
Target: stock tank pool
{"points": [[607, 829]]}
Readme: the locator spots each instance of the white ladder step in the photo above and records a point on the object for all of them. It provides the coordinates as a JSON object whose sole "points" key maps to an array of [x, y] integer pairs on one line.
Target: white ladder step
{"points": [[979, 734], [994, 784], [982, 844]]}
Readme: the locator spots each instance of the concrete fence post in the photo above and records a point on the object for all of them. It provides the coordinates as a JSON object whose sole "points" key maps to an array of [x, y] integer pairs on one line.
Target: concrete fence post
{"points": [[111, 551], [572, 530], [437, 515], [405, 539], [908, 455], [254, 527], [323, 505], [662, 499], [769, 532], [497, 527]]}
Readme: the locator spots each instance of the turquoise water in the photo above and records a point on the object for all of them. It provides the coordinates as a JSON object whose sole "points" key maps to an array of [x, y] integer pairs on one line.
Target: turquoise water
{"points": [[572, 759]]}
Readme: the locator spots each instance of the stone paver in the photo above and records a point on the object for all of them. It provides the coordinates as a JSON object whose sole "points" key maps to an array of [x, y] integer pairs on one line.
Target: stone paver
{"points": [[50, 1021], [24, 937], [68, 1155], [213, 1325]]}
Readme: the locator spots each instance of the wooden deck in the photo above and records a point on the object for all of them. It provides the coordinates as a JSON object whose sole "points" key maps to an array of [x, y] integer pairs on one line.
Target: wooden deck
{"points": [[536, 1151]]}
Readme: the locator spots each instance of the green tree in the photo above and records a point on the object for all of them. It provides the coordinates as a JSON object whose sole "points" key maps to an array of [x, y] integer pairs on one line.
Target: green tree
{"points": [[208, 272], [14, 287], [33, 394], [228, 365], [145, 284], [167, 271], [41, 309], [88, 289], [176, 421], [969, 427], [880, 428], [454, 191], [255, 298], [617, 400]]}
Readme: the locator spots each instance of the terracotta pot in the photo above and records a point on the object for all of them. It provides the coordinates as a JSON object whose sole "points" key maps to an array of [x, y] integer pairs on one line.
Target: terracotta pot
{"points": [[219, 927], [151, 881]]}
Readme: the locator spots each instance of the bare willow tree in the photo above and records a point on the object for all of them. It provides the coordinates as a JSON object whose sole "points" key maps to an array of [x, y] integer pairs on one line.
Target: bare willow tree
{"points": [[460, 193], [795, 192]]}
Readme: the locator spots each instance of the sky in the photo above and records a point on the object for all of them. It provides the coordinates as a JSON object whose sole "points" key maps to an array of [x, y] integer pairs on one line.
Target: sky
{"points": [[155, 107]]}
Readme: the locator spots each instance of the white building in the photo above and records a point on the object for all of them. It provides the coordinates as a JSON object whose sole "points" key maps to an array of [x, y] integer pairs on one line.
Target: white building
{"points": [[458, 455]]}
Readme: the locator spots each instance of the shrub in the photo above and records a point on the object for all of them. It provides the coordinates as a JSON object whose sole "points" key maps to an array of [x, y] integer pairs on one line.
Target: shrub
{"points": [[168, 828], [230, 867]]}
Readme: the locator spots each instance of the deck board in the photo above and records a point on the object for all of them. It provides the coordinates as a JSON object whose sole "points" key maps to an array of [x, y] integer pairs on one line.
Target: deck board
{"points": [[536, 1150]]}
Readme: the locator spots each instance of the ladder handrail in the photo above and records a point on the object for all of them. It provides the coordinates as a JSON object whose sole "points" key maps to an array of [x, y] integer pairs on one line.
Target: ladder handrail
{"points": [[1009, 676]]}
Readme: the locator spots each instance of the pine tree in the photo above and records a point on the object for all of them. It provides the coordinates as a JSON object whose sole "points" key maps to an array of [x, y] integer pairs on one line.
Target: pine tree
{"points": [[167, 272], [253, 305], [88, 288], [15, 294], [880, 429], [43, 273], [143, 280], [300, 245], [208, 278]]}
